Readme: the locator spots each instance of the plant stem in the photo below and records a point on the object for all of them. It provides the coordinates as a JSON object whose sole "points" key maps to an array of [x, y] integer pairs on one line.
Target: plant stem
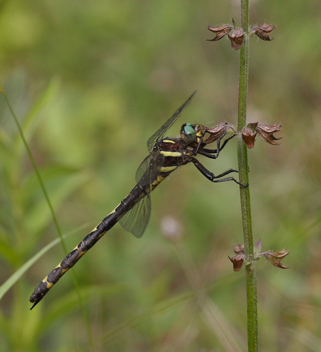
{"points": [[252, 325]]}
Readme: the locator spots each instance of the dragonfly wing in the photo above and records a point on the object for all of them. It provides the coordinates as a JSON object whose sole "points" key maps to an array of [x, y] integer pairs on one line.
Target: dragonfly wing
{"points": [[149, 169], [161, 131], [144, 167], [136, 219]]}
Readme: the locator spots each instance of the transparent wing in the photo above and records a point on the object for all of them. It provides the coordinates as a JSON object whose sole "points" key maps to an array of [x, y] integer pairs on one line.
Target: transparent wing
{"points": [[136, 219], [160, 133], [149, 169], [144, 168]]}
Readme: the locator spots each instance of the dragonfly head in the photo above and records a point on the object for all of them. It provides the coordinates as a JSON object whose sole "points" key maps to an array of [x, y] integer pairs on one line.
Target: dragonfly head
{"points": [[191, 134]]}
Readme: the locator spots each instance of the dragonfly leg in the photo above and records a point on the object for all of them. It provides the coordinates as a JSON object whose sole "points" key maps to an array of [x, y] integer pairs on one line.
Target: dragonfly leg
{"points": [[199, 145], [214, 153], [210, 176]]}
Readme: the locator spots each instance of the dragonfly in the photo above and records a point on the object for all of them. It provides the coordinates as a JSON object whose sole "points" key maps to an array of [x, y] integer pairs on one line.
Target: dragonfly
{"points": [[133, 212]]}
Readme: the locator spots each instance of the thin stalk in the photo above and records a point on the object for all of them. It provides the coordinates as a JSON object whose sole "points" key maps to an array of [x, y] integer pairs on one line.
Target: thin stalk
{"points": [[252, 324], [53, 215]]}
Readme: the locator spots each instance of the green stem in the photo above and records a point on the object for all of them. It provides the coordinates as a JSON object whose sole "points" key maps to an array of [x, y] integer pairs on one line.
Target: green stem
{"points": [[252, 325]]}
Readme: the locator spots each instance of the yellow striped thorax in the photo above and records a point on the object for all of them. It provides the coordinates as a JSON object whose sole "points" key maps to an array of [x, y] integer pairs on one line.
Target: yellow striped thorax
{"points": [[169, 153], [168, 141]]}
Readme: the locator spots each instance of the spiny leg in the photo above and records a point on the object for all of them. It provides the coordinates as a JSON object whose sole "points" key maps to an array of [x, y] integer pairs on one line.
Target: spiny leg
{"points": [[210, 176], [208, 152]]}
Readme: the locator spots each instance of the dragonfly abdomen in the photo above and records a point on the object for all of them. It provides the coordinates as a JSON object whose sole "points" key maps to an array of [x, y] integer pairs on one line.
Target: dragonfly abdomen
{"points": [[72, 258], [89, 241]]}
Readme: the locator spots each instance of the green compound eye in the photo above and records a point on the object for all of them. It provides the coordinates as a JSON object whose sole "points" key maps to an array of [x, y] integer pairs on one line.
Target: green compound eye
{"points": [[189, 133]]}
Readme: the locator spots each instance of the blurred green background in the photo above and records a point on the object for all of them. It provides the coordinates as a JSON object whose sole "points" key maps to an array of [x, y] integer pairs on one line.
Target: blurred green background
{"points": [[90, 82]]}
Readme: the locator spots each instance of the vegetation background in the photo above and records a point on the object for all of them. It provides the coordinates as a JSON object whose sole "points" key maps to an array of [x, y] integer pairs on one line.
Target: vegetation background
{"points": [[90, 82]]}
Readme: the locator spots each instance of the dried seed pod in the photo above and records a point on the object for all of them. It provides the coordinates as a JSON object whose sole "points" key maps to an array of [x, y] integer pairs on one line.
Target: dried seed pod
{"points": [[237, 38], [218, 131], [263, 32], [275, 258], [266, 132], [220, 32], [238, 259]]}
